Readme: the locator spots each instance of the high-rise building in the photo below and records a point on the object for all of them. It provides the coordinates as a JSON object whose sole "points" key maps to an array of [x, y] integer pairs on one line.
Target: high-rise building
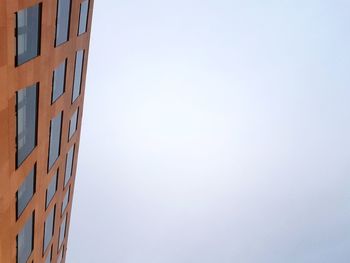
{"points": [[44, 46]]}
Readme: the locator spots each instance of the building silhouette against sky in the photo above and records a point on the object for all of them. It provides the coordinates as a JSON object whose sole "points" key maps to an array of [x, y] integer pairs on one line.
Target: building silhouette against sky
{"points": [[44, 47]]}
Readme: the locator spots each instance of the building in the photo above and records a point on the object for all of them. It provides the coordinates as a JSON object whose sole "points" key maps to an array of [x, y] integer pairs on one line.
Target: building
{"points": [[44, 46]]}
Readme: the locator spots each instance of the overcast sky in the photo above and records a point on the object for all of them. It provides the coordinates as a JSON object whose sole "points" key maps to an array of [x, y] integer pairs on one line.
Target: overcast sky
{"points": [[215, 131]]}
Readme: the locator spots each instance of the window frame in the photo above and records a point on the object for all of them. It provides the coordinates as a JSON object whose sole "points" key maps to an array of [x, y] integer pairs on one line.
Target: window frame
{"points": [[87, 18], [48, 258], [68, 24], [70, 136], [18, 214], [66, 179], [59, 144], [63, 222], [80, 76], [17, 64], [64, 82], [67, 194], [37, 87], [53, 229], [32, 239], [47, 203]]}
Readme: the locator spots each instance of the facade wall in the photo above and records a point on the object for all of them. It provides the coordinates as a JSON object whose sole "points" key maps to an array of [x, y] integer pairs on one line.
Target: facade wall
{"points": [[12, 78]]}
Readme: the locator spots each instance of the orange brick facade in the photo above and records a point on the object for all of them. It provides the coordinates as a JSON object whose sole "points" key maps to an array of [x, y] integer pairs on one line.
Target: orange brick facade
{"points": [[13, 78]]}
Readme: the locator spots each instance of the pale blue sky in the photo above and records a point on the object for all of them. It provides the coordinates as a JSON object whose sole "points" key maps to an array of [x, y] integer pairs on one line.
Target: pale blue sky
{"points": [[215, 132]]}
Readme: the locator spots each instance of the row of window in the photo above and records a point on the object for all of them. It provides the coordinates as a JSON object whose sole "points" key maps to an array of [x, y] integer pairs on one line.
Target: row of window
{"points": [[55, 136], [24, 195], [27, 107], [59, 76], [59, 258], [27, 189], [25, 239], [28, 27]]}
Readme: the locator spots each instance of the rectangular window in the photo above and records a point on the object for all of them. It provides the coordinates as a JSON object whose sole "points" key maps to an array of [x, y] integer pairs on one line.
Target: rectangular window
{"points": [[73, 123], [28, 34], [26, 111], [62, 21], [49, 257], [60, 255], [84, 10], [65, 201], [58, 81], [69, 165], [78, 71], [62, 231], [25, 242], [49, 228], [25, 192], [55, 139], [51, 190]]}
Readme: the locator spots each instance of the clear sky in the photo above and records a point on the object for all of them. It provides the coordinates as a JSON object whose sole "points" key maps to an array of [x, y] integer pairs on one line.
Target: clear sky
{"points": [[215, 132]]}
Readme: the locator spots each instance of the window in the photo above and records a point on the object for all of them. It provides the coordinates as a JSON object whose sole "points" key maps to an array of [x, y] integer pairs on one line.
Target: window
{"points": [[58, 81], [62, 231], [69, 165], [26, 109], [73, 123], [65, 201], [62, 21], [24, 240], [51, 190], [49, 228], [60, 255], [49, 257], [28, 34], [55, 139], [25, 192], [79, 57], [84, 9]]}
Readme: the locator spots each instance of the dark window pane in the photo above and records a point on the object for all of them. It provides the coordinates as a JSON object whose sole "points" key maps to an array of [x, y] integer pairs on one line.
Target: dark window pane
{"points": [[49, 228], [62, 231], [25, 241], [55, 139], [62, 21], [73, 123], [79, 57], [51, 190], [26, 192], [58, 82], [69, 165], [84, 8], [28, 33], [65, 201], [26, 108]]}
